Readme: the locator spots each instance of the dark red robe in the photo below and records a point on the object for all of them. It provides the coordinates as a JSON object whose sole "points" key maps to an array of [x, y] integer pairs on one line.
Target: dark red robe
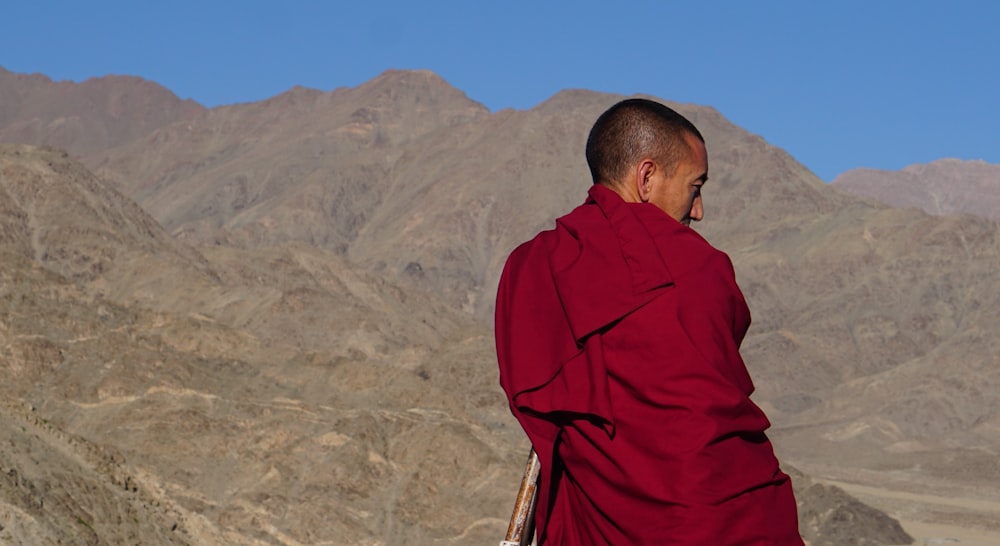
{"points": [[618, 338]]}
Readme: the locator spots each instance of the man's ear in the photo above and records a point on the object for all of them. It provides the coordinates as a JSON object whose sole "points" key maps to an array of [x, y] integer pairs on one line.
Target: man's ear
{"points": [[643, 179]]}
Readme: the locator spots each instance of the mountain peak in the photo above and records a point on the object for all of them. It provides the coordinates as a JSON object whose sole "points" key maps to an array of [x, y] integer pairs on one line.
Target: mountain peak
{"points": [[409, 75], [575, 99], [418, 85]]}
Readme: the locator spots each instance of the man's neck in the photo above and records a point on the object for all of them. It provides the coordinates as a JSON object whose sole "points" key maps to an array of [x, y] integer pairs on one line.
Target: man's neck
{"points": [[623, 191]]}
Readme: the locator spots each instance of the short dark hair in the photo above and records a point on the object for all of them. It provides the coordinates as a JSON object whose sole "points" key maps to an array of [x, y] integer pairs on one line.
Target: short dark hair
{"points": [[632, 130]]}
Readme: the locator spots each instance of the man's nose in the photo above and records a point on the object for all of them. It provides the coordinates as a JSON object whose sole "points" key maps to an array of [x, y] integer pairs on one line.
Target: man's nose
{"points": [[697, 211]]}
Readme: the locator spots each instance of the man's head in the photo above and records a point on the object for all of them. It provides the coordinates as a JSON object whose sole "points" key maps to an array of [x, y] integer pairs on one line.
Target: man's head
{"points": [[648, 153]]}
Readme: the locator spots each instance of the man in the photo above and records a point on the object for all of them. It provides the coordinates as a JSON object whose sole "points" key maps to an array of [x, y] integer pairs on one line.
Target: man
{"points": [[618, 338]]}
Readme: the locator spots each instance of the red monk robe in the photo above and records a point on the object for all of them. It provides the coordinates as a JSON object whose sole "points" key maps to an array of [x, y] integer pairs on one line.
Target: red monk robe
{"points": [[618, 340]]}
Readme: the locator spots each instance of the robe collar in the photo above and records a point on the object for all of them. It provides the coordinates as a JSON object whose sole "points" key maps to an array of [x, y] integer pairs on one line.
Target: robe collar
{"points": [[615, 266]]}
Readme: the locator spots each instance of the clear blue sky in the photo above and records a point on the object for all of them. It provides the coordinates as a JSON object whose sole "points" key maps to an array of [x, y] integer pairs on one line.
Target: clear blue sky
{"points": [[838, 84]]}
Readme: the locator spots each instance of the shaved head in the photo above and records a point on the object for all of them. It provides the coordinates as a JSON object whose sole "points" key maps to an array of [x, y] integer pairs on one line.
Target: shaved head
{"points": [[633, 130]]}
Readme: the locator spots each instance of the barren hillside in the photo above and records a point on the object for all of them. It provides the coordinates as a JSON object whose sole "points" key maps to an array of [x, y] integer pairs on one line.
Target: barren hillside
{"points": [[278, 395]]}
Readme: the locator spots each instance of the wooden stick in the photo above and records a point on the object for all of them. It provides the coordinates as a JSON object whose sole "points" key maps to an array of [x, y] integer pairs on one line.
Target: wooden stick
{"points": [[522, 521]]}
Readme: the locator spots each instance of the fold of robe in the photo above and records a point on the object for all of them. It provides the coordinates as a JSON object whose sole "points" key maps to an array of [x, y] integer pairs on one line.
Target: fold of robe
{"points": [[618, 338]]}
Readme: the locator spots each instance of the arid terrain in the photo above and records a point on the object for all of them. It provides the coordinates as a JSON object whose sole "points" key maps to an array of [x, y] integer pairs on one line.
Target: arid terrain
{"points": [[270, 323]]}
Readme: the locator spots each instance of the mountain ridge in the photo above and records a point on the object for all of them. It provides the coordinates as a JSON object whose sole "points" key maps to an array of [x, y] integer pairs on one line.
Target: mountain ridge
{"points": [[944, 186], [85, 117]]}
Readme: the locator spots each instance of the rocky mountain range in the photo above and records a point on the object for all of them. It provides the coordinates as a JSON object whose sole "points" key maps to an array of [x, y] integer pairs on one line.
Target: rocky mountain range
{"points": [[946, 186], [88, 117], [269, 322]]}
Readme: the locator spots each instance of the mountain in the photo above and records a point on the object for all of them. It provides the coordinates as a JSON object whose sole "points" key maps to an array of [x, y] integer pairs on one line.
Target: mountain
{"points": [[946, 186], [842, 290], [341, 249], [86, 117], [385, 172], [304, 165]]}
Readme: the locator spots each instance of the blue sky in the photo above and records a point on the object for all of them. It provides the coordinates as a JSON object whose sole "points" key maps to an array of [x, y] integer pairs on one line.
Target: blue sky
{"points": [[838, 84]]}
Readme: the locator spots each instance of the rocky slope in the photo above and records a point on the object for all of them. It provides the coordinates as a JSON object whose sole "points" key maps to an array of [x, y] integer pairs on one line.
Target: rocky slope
{"points": [[275, 396], [57, 488]]}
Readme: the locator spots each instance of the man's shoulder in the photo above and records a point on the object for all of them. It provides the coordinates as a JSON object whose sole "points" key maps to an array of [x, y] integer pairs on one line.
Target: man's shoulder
{"points": [[531, 254], [545, 242]]}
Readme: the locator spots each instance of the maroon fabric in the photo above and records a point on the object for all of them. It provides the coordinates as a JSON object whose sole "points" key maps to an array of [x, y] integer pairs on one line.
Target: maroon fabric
{"points": [[618, 340]]}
